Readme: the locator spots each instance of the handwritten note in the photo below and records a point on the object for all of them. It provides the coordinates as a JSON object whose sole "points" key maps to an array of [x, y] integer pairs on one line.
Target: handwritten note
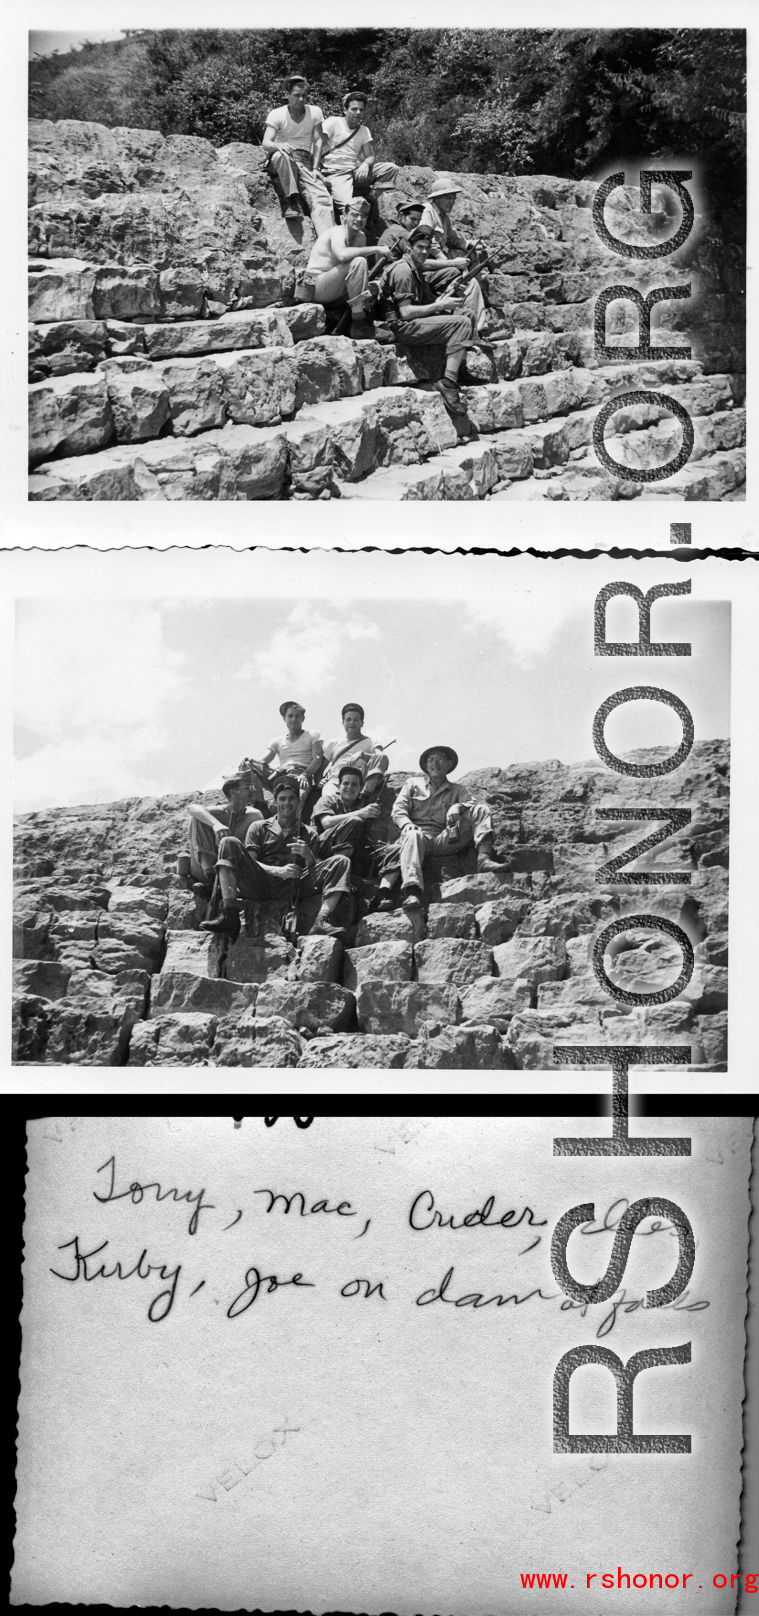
{"points": [[316, 1367]]}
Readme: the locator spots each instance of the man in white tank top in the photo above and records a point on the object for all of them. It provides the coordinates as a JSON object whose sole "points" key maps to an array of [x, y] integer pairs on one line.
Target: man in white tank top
{"points": [[293, 145]]}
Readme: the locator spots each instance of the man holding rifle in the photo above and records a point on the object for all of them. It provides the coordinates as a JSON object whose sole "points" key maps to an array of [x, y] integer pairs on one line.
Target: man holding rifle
{"points": [[418, 319], [276, 851]]}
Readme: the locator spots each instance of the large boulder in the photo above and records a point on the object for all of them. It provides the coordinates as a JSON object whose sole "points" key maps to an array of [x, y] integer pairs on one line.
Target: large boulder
{"points": [[391, 1007], [308, 1005], [259, 1041], [378, 962]]}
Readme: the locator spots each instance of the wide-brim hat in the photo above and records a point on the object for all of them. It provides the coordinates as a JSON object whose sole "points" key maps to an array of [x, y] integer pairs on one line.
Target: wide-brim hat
{"points": [[353, 707], [286, 704], [444, 188], [449, 752], [285, 782]]}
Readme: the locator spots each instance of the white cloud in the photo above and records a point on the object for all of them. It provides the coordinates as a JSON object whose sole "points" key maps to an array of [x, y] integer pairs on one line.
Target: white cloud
{"points": [[529, 617], [93, 683], [304, 654]]}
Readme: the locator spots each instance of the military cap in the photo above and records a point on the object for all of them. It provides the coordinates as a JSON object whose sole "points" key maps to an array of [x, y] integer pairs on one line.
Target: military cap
{"points": [[351, 768], [408, 207], [421, 231], [232, 781], [285, 782], [354, 95], [353, 707], [286, 704]]}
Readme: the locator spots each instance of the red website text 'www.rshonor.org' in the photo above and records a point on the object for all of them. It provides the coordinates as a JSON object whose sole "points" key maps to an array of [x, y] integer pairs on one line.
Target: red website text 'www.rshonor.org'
{"points": [[638, 1579]]}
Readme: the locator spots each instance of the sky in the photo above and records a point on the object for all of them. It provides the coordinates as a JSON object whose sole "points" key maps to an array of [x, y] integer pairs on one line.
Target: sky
{"points": [[42, 42], [121, 697]]}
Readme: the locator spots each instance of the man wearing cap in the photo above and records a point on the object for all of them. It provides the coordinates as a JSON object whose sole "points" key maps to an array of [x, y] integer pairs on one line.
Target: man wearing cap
{"points": [[241, 790], [337, 267], [439, 272], [419, 319], [293, 145], [340, 820], [436, 817], [299, 750], [275, 852], [449, 245], [348, 161], [355, 747]]}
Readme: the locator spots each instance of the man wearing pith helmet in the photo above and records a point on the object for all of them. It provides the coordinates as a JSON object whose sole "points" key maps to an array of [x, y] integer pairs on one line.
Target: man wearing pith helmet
{"points": [[456, 250], [436, 816], [349, 164]]}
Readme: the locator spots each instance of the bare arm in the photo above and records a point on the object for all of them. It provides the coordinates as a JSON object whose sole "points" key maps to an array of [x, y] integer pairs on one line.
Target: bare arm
{"points": [[366, 160], [317, 146], [197, 811], [423, 311], [269, 141]]}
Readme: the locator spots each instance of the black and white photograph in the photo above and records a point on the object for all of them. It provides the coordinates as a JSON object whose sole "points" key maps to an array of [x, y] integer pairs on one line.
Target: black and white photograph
{"points": [[387, 263], [366, 811]]}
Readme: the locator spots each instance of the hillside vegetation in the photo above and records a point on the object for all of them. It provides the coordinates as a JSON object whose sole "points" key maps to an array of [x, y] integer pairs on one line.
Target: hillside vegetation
{"points": [[555, 101]]}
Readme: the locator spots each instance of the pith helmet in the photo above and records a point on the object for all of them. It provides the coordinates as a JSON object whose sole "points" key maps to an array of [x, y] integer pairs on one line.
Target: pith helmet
{"points": [[444, 188], [453, 760]]}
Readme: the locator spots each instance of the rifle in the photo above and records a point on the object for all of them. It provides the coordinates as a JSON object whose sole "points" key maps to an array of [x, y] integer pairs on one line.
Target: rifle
{"points": [[289, 926]]}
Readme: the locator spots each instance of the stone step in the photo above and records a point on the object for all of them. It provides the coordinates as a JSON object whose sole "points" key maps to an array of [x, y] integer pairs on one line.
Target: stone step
{"points": [[56, 348], [368, 445], [133, 398]]}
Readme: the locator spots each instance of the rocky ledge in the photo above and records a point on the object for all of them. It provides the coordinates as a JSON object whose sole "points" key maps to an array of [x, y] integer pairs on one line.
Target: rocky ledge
{"points": [[168, 360], [111, 970]]}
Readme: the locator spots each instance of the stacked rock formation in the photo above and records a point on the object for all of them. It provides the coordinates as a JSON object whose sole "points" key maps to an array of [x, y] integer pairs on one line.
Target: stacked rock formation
{"points": [[168, 359], [111, 968]]}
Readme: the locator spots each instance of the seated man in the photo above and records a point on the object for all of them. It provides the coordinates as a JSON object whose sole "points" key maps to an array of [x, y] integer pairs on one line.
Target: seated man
{"points": [[449, 247], [355, 747], [241, 790], [436, 817], [337, 267], [275, 852], [299, 750], [293, 145], [440, 272], [417, 318], [348, 161], [340, 823]]}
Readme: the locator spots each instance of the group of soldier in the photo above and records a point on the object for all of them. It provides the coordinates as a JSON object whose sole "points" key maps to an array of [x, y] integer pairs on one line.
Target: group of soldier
{"points": [[308, 822], [420, 274]]}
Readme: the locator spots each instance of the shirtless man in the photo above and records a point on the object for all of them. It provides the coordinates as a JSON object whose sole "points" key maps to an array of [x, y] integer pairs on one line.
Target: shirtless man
{"points": [[338, 266]]}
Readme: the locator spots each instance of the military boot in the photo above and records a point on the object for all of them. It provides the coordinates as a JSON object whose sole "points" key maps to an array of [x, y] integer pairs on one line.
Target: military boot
{"points": [[227, 924], [487, 858]]}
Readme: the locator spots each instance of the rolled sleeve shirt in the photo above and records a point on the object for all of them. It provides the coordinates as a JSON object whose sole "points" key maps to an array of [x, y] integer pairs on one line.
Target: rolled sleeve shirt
{"points": [[420, 807], [269, 843], [446, 236]]}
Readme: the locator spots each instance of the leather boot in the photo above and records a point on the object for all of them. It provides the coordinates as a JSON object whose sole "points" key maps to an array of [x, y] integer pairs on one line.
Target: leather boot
{"points": [[227, 924]]}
